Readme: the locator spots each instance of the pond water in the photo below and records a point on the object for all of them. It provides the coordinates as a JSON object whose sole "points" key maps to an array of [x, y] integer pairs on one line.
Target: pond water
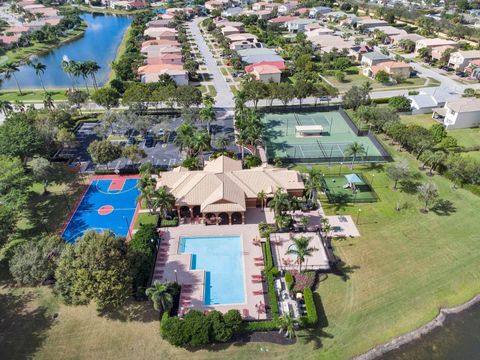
{"points": [[99, 43], [458, 338]]}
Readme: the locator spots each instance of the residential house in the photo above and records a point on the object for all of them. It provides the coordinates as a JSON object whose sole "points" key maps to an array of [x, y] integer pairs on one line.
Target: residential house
{"points": [[233, 11], [230, 30], [431, 44], [217, 5], [287, 7], [318, 10], [413, 37], [298, 25], [316, 29], [255, 55], [428, 99], [9, 41], [357, 52], [240, 45], [282, 20], [459, 114], [165, 58], [367, 23], [161, 33], [437, 52], [459, 60], [393, 68], [267, 71], [261, 5], [135, 5], [161, 23], [155, 50], [242, 37], [373, 58], [151, 73], [390, 31], [328, 42]]}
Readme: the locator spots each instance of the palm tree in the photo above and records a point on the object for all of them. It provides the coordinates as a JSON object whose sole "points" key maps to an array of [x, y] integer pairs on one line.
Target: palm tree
{"points": [[301, 249], [10, 70], [201, 142], [222, 142], [287, 324], [84, 71], [75, 69], [92, 68], [161, 295], [48, 101], [163, 201], [427, 192], [280, 202], [354, 149], [262, 196], [207, 115], [184, 137], [39, 71], [5, 107], [67, 69]]}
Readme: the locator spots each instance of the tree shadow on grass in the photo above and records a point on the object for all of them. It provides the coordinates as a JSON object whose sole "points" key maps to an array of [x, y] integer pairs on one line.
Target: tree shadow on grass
{"points": [[22, 326], [409, 186], [141, 311], [443, 207], [315, 335], [344, 271]]}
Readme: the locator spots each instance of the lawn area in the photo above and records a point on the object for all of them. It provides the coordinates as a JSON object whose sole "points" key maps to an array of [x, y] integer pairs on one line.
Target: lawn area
{"points": [[211, 90], [424, 120], [31, 95], [145, 219], [395, 276], [466, 137], [121, 50], [358, 80]]}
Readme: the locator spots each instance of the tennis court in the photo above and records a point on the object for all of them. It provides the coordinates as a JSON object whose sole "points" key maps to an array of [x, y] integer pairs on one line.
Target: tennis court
{"points": [[329, 145], [339, 190], [109, 203]]}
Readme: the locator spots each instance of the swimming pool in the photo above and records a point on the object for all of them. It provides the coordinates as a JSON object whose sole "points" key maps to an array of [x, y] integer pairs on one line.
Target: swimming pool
{"points": [[222, 259]]}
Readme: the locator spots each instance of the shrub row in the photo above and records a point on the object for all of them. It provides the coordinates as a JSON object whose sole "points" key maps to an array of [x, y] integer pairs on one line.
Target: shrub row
{"points": [[381, 100], [169, 223], [289, 280], [251, 326], [311, 319]]}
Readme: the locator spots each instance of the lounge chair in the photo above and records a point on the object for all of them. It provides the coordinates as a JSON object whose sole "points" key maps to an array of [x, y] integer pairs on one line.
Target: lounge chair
{"points": [[245, 313], [259, 258], [257, 281], [257, 292], [259, 264], [257, 276]]}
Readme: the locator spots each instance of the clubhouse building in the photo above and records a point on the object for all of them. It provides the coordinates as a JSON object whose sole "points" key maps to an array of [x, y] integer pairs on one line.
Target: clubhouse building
{"points": [[221, 193]]}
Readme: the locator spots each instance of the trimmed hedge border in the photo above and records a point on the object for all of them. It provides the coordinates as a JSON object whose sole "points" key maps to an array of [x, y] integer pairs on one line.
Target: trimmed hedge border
{"points": [[252, 326], [289, 280], [169, 223], [311, 320]]}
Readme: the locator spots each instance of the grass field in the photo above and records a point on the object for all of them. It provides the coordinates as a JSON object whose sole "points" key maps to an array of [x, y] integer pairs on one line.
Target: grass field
{"points": [[337, 193], [395, 277], [466, 137], [424, 120]]}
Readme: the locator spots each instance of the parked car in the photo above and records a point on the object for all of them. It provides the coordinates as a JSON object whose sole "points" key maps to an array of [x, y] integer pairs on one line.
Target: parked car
{"points": [[149, 142]]}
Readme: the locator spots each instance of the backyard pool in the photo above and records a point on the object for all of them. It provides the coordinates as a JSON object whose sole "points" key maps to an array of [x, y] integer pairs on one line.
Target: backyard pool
{"points": [[222, 259]]}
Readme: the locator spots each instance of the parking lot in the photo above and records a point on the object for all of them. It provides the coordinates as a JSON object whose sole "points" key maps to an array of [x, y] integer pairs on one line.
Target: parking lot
{"points": [[160, 153]]}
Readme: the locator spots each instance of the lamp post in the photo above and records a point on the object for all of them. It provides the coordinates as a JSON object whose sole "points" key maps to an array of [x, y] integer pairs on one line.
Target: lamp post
{"points": [[358, 215], [176, 278], [128, 227], [340, 169], [373, 178]]}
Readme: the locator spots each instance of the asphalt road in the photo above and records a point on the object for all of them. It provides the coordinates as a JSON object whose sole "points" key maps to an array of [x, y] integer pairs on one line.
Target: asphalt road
{"points": [[224, 98]]}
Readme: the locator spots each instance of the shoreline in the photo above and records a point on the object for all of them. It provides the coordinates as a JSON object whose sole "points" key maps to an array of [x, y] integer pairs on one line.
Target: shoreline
{"points": [[417, 333]]}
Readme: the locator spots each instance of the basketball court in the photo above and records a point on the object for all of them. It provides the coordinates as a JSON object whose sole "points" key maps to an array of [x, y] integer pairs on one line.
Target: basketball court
{"points": [[109, 203]]}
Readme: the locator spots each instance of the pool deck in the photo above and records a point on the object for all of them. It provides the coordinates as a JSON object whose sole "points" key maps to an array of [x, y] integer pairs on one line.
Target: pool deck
{"points": [[169, 260]]}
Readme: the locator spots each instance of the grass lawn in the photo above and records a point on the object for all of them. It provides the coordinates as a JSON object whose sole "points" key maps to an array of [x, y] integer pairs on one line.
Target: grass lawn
{"points": [[145, 219], [224, 71], [31, 95], [466, 137], [358, 80], [424, 120], [395, 276], [121, 50], [212, 91]]}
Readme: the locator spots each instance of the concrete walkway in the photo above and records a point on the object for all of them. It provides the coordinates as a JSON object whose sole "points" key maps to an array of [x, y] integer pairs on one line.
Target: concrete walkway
{"points": [[224, 98]]}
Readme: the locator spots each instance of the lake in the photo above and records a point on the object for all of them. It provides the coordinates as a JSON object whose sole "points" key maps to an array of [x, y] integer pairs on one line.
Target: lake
{"points": [[99, 43], [458, 338]]}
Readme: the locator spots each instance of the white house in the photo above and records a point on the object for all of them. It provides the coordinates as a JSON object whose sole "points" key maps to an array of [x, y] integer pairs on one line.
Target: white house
{"points": [[285, 8], [428, 99], [459, 114], [318, 10], [298, 25], [459, 60]]}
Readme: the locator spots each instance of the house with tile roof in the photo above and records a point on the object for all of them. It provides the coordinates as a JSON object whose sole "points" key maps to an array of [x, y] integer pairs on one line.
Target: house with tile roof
{"points": [[459, 114], [267, 71], [151, 73], [224, 188]]}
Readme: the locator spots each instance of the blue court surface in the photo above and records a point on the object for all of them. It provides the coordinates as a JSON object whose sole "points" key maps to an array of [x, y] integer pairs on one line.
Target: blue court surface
{"points": [[222, 259], [107, 205]]}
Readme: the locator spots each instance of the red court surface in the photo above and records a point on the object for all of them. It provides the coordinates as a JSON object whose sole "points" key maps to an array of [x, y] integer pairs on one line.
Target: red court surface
{"points": [[116, 185]]}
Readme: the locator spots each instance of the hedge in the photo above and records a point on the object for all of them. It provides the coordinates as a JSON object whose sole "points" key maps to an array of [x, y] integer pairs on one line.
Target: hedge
{"points": [[169, 223], [381, 101], [271, 272], [311, 319], [289, 280]]}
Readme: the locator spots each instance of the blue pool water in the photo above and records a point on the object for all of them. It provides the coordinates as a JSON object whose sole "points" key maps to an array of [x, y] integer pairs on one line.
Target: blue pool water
{"points": [[120, 204], [221, 258], [99, 43]]}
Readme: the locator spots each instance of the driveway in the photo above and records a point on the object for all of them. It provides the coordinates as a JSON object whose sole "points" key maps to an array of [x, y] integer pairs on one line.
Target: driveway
{"points": [[224, 98]]}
